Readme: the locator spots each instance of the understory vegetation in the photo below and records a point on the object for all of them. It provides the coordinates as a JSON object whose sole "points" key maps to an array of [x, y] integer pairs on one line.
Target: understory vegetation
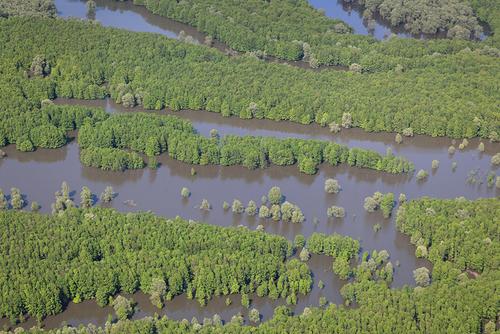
{"points": [[451, 96]]}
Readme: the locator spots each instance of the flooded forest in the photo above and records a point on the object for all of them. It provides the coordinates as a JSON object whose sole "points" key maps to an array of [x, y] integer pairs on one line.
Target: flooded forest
{"points": [[280, 166]]}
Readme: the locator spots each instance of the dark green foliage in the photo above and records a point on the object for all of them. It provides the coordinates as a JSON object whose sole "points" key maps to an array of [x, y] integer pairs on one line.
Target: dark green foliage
{"points": [[464, 233], [341, 248], [158, 72], [27, 8], [45, 127], [455, 17], [112, 159], [452, 303], [101, 252], [154, 134], [293, 30]]}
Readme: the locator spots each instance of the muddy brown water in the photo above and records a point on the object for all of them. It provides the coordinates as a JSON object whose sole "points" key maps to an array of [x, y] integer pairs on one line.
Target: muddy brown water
{"points": [[39, 174]]}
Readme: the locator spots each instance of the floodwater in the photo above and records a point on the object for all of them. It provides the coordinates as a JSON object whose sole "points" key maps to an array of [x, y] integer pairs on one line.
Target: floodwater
{"points": [[39, 174], [352, 14], [126, 15], [180, 307]]}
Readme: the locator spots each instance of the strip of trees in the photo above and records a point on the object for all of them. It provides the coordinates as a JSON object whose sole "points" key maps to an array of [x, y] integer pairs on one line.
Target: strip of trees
{"points": [[295, 30], [154, 134], [184, 76]]}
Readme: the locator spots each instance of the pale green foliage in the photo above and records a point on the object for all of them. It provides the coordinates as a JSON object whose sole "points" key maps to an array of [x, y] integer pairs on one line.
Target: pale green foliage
{"points": [[237, 206], [274, 195], [304, 255], [336, 211], [16, 199], [254, 315], [251, 208], [123, 307], [205, 205], [495, 160], [157, 291], [264, 212], [422, 277], [86, 198], [422, 175], [108, 195], [332, 186], [185, 193]]}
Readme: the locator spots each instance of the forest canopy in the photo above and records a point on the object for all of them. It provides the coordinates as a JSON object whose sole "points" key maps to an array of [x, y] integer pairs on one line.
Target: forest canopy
{"points": [[100, 252], [450, 96], [455, 302]]}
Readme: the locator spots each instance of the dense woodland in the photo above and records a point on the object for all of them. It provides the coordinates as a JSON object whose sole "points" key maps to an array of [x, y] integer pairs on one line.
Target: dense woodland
{"points": [[294, 30], [100, 252], [459, 234], [437, 87], [27, 7], [451, 96], [154, 134], [454, 17]]}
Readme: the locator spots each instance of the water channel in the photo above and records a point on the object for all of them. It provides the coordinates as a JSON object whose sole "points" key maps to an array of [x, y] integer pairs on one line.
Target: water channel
{"points": [[39, 174]]}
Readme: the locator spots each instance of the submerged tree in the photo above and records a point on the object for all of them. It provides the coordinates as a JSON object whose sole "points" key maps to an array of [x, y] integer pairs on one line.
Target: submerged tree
{"points": [[108, 195], [123, 307], [237, 206], [86, 198], [254, 315], [16, 199], [422, 175], [332, 186], [185, 193], [274, 195], [205, 205], [251, 208], [335, 211]]}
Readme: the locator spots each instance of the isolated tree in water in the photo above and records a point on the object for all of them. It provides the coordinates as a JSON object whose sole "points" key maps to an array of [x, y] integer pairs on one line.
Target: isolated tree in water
{"points": [[85, 198], [108, 195], [16, 199], [274, 195]]}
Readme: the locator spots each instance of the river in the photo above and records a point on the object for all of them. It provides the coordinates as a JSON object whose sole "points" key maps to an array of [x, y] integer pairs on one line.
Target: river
{"points": [[39, 174]]}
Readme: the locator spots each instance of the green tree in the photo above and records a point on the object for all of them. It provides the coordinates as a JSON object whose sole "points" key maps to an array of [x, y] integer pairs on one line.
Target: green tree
{"points": [[274, 195], [123, 307], [86, 200], [16, 199]]}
